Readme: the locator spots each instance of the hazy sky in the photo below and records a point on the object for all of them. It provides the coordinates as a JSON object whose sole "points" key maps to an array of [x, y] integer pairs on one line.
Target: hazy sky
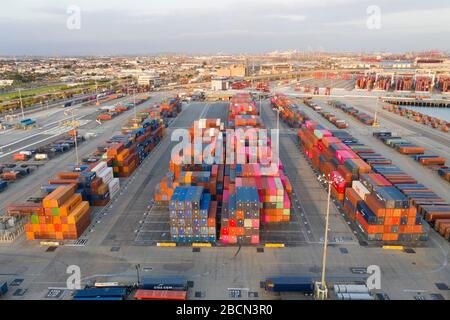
{"points": [[39, 27]]}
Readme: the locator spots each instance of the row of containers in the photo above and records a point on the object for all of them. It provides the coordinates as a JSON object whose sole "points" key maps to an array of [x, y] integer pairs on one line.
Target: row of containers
{"points": [[110, 112], [9, 173], [225, 203], [432, 161], [107, 94], [365, 182], [418, 117], [361, 116], [338, 123], [387, 82], [388, 205], [51, 150], [290, 111], [64, 212]]}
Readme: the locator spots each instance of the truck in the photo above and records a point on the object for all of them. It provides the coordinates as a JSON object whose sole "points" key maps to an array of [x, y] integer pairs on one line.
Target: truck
{"points": [[41, 156], [301, 284], [101, 294], [164, 283], [3, 288]]}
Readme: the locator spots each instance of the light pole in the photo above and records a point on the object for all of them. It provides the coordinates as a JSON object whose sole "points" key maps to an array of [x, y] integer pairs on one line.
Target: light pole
{"points": [[278, 119], [21, 104], [75, 136], [134, 103], [375, 119], [260, 103], [321, 290]]}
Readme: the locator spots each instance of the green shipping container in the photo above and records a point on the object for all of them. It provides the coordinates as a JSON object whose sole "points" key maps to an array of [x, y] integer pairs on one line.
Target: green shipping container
{"points": [[34, 219]]}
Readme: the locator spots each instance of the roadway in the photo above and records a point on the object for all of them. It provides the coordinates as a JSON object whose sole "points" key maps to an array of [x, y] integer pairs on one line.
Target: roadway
{"points": [[29, 186]]}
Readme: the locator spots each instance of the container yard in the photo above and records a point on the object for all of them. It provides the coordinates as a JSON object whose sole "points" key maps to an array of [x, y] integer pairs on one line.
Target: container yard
{"points": [[137, 197], [185, 156], [237, 197]]}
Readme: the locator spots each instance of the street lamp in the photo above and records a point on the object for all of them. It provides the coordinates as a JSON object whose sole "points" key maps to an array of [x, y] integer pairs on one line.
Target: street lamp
{"points": [[75, 135], [278, 119], [321, 290], [21, 104], [134, 103], [375, 120]]}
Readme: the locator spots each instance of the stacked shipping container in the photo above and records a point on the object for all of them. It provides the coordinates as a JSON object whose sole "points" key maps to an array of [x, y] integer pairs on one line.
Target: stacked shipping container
{"points": [[61, 215], [372, 201]]}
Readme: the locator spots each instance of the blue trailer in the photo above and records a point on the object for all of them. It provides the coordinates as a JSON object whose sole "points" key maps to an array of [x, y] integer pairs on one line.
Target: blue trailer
{"points": [[99, 298], [101, 294], [290, 284], [164, 283], [3, 185], [3, 288]]}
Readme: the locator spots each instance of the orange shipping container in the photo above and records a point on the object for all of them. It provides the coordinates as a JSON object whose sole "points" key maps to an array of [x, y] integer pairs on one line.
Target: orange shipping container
{"points": [[59, 196]]}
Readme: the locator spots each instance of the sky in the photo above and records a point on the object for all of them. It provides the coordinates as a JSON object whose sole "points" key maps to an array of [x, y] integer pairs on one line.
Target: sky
{"points": [[116, 27]]}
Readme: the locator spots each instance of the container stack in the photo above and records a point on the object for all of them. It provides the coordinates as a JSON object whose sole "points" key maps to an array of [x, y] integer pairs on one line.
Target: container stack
{"points": [[276, 205], [106, 174], [64, 216], [242, 104], [290, 112], [125, 159], [370, 187], [192, 215], [382, 211], [171, 108], [240, 219]]}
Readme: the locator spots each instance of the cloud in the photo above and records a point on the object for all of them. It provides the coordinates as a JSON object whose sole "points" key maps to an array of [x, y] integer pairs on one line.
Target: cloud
{"points": [[236, 32], [411, 21], [289, 17], [118, 26]]}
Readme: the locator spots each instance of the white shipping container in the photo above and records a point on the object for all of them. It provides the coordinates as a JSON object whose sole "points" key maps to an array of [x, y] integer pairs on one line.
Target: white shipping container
{"points": [[100, 167], [350, 288], [354, 296], [106, 175], [41, 156], [360, 189], [114, 187]]}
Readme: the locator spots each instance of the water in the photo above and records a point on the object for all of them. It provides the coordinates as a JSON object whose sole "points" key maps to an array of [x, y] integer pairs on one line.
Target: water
{"points": [[440, 113]]}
